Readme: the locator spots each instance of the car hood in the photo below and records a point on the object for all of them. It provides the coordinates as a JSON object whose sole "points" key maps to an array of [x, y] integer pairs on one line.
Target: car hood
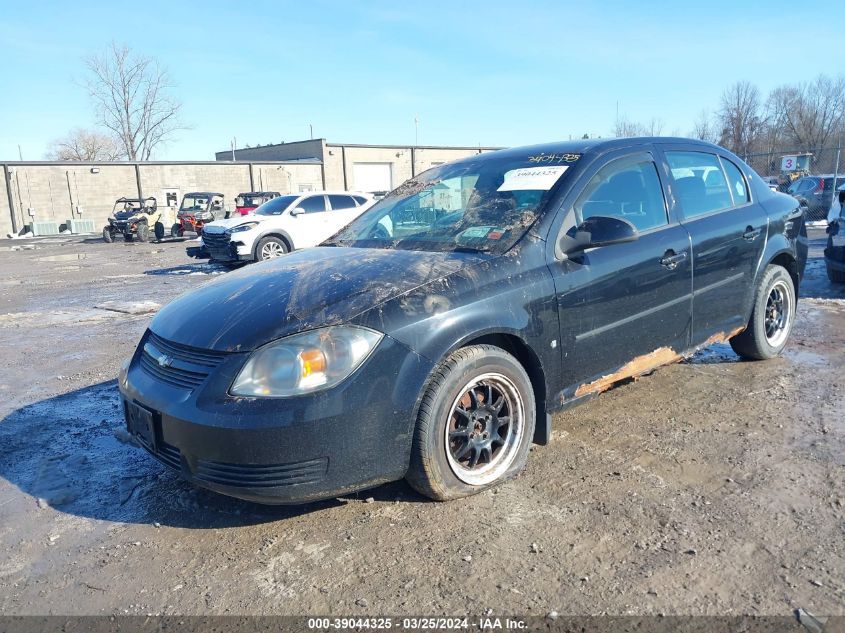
{"points": [[306, 289], [219, 226]]}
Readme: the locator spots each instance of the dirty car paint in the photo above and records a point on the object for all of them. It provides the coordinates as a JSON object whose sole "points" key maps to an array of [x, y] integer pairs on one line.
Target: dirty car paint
{"points": [[578, 324]]}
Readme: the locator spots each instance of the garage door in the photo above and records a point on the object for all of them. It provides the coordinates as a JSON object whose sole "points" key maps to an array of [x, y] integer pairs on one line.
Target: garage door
{"points": [[372, 177]]}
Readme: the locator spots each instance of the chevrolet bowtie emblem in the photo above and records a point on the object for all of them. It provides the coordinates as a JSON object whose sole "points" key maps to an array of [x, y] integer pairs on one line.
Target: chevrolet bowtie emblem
{"points": [[164, 360]]}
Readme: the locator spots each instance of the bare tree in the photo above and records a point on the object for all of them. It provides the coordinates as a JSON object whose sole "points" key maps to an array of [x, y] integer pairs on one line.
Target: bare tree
{"points": [[703, 129], [85, 145], [810, 114], [131, 95], [740, 119], [626, 129]]}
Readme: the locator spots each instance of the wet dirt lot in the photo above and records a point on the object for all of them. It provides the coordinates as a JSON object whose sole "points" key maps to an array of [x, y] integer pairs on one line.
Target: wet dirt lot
{"points": [[709, 487]]}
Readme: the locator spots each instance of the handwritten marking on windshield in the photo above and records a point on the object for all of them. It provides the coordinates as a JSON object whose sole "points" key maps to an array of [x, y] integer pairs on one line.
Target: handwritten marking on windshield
{"points": [[554, 158]]}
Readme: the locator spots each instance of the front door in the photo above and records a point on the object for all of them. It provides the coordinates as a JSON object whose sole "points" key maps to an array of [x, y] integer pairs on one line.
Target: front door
{"points": [[624, 308], [312, 226]]}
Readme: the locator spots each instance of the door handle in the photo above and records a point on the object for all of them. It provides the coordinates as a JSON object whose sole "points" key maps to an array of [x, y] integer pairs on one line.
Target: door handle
{"points": [[751, 233], [671, 259]]}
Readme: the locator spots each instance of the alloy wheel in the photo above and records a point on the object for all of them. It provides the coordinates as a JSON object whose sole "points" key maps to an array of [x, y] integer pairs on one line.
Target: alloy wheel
{"points": [[484, 429]]}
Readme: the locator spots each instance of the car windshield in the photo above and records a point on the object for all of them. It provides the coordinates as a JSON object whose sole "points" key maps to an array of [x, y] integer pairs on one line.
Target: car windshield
{"points": [[194, 203], [276, 206], [127, 206], [482, 204]]}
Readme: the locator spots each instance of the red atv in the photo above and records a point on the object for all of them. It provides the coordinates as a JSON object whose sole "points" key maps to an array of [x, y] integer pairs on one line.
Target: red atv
{"points": [[248, 202], [198, 208]]}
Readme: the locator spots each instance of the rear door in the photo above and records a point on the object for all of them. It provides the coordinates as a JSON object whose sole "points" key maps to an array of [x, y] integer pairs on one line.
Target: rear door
{"points": [[344, 209], [629, 304], [728, 231]]}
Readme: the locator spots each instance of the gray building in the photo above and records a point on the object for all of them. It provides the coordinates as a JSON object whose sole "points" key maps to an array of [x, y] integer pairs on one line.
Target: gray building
{"points": [[370, 168]]}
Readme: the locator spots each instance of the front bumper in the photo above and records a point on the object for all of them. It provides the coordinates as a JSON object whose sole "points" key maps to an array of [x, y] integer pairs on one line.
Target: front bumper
{"points": [[276, 451], [197, 252], [221, 247]]}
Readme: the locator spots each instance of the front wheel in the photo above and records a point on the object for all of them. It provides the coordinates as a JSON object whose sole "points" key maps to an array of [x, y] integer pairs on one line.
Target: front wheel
{"points": [[270, 248], [159, 231], [176, 230], [107, 235], [772, 317], [143, 232], [475, 424]]}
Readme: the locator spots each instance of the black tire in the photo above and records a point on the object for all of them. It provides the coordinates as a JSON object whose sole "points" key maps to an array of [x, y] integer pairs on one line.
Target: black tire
{"points": [[772, 317], [108, 237], [270, 247], [835, 276], [436, 469], [176, 230], [127, 237], [159, 231], [143, 232]]}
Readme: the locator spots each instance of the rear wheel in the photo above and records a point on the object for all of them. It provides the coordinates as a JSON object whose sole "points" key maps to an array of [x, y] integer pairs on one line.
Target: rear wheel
{"points": [[108, 237], [159, 231], [475, 424], [836, 276], [176, 230], [270, 248], [772, 317], [143, 232]]}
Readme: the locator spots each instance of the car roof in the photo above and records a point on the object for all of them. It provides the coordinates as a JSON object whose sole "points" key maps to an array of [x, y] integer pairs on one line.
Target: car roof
{"points": [[203, 193], [258, 193], [593, 146], [329, 192]]}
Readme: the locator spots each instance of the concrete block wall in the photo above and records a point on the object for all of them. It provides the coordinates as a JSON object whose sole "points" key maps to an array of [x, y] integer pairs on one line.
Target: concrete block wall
{"points": [[157, 179], [5, 215], [287, 177], [44, 187], [53, 192]]}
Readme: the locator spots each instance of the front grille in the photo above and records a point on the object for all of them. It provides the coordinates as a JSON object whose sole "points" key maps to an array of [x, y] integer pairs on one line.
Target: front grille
{"points": [[169, 455], [177, 365], [263, 476], [216, 240]]}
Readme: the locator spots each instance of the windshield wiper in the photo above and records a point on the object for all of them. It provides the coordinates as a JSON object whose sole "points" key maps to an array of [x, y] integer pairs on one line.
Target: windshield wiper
{"points": [[471, 249]]}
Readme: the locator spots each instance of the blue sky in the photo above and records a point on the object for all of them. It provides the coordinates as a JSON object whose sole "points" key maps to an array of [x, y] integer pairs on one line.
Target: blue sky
{"points": [[486, 72]]}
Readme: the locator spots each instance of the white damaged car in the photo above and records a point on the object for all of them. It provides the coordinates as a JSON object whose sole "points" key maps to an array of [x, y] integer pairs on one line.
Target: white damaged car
{"points": [[280, 225]]}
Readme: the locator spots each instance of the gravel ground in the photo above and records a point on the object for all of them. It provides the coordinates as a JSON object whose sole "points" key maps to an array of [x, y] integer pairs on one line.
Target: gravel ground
{"points": [[709, 487]]}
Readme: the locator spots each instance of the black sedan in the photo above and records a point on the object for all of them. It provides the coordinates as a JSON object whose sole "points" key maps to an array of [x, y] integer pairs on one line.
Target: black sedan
{"points": [[432, 337]]}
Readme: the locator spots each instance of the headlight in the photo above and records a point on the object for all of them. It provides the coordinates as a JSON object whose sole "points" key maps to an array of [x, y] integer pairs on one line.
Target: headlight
{"points": [[306, 362], [243, 227]]}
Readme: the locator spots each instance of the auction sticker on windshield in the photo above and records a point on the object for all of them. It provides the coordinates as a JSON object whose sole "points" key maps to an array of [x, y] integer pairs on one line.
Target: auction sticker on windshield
{"points": [[532, 178]]}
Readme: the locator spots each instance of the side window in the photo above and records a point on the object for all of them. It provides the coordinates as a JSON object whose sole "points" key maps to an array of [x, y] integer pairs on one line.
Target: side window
{"points": [[736, 181], [341, 202], [700, 184], [360, 199], [313, 204], [628, 189]]}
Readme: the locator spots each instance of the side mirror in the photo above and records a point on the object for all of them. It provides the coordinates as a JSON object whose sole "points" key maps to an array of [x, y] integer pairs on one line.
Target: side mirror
{"points": [[297, 211], [598, 230]]}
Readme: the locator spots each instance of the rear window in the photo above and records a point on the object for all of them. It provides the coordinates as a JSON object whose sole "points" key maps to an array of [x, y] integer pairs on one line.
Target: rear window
{"points": [[700, 184], [739, 188]]}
